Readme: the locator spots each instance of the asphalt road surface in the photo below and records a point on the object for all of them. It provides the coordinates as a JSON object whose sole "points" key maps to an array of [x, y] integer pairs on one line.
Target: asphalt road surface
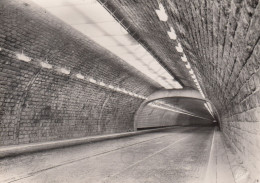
{"points": [[177, 155]]}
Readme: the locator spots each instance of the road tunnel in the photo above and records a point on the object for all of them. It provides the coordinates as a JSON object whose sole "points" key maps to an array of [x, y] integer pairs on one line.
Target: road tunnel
{"points": [[129, 91]]}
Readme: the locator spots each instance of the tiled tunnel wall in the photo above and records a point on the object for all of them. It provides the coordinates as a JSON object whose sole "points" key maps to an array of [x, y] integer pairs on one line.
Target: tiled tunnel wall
{"points": [[152, 116], [42, 104]]}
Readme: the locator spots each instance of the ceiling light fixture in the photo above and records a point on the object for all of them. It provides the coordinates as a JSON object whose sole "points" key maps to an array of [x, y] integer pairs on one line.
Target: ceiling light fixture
{"points": [[188, 65], [161, 13], [23, 57], [179, 48], [172, 34], [184, 58], [80, 76], [64, 71], [110, 86], [105, 29], [119, 89], [46, 65], [101, 83], [92, 80]]}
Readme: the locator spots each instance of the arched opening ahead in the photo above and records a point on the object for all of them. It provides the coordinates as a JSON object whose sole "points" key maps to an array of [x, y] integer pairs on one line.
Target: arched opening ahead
{"points": [[175, 107]]}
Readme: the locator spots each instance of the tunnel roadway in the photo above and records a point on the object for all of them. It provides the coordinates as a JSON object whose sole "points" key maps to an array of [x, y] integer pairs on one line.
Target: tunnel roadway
{"points": [[179, 154]]}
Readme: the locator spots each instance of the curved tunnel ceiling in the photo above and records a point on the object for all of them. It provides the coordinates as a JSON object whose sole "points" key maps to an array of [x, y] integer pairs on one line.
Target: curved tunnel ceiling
{"points": [[193, 106], [184, 101], [55, 75], [146, 23], [94, 21], [219, 38], [132, 41], [152, 47]]}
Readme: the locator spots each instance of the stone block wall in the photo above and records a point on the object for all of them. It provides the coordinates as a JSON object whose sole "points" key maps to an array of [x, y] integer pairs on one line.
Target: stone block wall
{"points": [[64, 85]]}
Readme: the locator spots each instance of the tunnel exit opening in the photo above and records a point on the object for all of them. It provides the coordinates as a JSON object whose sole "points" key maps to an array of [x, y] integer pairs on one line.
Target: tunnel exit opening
{"points": [[175, 107]]}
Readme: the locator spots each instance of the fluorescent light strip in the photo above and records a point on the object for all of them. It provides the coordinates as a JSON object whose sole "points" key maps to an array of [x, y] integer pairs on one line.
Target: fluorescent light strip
{"points": [[162, 16], [208, 107], [23, 57], [174, 110], [113, 36], [172, 34], [161, 13], [152, 69], [46, 65], [188, 65], [111, 87], [102, 83], [64, 71], [179, 48], [184, 58], [78, 75]]}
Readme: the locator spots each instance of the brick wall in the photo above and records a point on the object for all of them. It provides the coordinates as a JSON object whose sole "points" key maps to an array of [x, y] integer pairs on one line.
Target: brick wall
{"points": [[221, 41], [224, 36], [44, 99]]}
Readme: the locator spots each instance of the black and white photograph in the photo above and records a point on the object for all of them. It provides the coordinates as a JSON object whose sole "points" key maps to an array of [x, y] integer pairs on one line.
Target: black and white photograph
{"points": [[129, 91]]}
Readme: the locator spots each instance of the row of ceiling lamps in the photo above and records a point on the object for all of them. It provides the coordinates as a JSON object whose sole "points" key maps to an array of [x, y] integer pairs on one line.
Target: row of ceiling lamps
{"points": [[46, 65], [160, 103], [174, 110], [208, 107], [161, 13], [166, 80]]}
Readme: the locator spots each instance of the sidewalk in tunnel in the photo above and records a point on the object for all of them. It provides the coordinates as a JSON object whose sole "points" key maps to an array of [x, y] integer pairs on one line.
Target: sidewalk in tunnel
{"points": [[170, 155]]}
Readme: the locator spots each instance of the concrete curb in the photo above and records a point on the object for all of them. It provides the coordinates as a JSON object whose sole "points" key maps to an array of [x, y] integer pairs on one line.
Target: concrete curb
{"points": [[16, 150]]}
